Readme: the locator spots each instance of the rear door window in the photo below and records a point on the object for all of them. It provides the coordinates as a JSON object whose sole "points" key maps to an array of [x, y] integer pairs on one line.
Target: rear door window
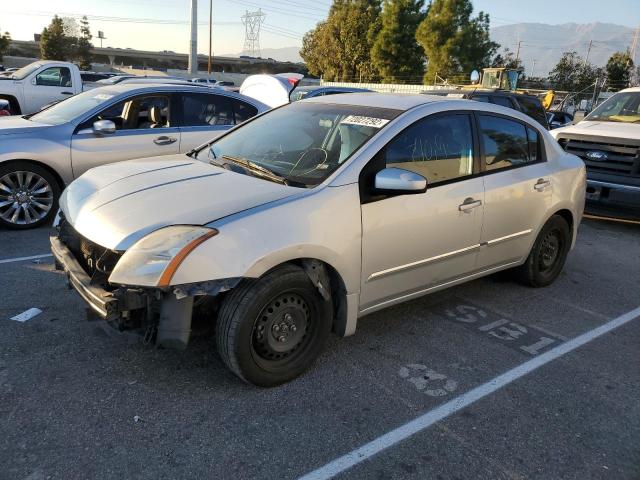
{"points": [[201, 109], [505, 142], [501, 100], [243, 111], [533, 108]]}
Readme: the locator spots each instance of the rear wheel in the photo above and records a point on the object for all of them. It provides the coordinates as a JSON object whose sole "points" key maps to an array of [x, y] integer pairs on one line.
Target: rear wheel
{"points": [[548, 255], [271, 330], [28, 195]]}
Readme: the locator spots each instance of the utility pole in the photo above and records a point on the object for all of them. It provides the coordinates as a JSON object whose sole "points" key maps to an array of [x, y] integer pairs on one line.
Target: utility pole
{"points": [[586, 60], [518, 52], [210, 35], [633, 78], [193, 44], [533, 66]]}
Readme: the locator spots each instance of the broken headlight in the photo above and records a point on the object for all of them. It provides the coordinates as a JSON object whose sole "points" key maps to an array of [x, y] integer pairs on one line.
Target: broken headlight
{"points": [[153, 260]]}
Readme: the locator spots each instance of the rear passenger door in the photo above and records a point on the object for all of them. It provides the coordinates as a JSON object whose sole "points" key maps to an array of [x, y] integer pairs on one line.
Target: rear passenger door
{"points": [[204, 116], [518, 188]]}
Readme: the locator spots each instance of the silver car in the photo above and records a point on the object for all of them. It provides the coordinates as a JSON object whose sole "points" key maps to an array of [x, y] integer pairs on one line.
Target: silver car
{"points": [[41, 153], [308, 217]]}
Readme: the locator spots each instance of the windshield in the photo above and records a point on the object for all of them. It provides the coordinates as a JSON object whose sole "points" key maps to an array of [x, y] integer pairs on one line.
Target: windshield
{"points": [[622, 107], [72, 107], [24, 72], [304, 143]]}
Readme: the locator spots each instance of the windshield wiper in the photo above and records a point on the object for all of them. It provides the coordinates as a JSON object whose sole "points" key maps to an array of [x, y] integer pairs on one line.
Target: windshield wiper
{"points": [[251, 167]]}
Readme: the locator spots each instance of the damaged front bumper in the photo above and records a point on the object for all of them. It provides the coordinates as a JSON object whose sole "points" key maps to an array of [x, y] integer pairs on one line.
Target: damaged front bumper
{"points": [[165, 312], [106, 304]]}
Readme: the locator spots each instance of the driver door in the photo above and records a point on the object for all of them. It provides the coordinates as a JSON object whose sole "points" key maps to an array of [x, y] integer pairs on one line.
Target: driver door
{"points": [[50, 85], [411, 243], [144, 128]]}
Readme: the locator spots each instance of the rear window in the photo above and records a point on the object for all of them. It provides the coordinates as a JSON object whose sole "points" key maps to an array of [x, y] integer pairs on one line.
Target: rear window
{"points": [[500, 100], [532, 107]]}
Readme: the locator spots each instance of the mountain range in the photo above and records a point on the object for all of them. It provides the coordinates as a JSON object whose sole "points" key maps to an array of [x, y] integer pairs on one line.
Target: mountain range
{"points": [[542, 44]]}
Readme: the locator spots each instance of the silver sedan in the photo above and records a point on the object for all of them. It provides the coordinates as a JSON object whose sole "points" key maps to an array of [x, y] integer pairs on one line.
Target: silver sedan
{"points": [[308, 217], [41, 153]]}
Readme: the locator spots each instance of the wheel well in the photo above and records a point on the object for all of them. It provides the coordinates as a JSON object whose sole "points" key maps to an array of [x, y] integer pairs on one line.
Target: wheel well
{"points": [[41, 165], [338, 289], [13, 103], [568, 216]]}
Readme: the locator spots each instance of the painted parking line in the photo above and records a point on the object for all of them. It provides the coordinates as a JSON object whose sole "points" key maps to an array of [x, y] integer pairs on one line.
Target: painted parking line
{"points": [[431, 417], [24, 259]]}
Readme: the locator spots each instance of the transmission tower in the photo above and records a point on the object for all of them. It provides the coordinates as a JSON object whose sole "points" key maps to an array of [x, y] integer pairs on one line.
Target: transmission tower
{"points": [[252, 22]]}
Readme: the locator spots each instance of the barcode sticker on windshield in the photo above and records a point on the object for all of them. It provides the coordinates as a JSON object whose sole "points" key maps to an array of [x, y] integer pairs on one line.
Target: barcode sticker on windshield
{"points": [[365, 121], [103, 96]]}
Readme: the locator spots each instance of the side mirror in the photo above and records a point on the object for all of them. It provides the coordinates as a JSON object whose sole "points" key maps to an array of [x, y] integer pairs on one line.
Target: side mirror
{"points": [[475, 77], [400, 181], [104, 127]]}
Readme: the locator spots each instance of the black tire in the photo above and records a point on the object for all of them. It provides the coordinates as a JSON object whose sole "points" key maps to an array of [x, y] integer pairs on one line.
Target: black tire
{"points": [[49, 197], [548, 255], [251, 336]]}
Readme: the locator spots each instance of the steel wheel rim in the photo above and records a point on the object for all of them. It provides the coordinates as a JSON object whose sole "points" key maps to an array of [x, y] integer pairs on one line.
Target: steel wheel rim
{"points": [[25, 197], [282, 330], [550, 250]]}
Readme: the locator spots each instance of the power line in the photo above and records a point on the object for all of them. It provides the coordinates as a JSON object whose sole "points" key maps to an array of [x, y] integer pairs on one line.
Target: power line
{"points": [[102, 18]]}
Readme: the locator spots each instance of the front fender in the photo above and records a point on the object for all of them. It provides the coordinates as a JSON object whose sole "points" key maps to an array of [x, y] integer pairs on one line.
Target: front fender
{"points": [[325, 225]]}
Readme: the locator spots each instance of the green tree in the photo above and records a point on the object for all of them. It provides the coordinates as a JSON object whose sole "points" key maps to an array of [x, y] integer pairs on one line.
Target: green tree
{"points": [[395, 53], [5, 42], [84, 45], [619, 69], [54, 43], [573, 74], [339, 48], [507, 59], [453, 41]]}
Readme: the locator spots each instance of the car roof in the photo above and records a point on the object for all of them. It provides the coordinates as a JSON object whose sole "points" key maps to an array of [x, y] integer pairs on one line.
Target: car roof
{"points": [[397, 101], [632, 89], [313, 88], [124, 87], [136, 88]]}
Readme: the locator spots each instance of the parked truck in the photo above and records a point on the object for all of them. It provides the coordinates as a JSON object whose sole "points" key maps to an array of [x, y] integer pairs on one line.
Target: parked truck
{"points": [[608, 140], [38, 84]]}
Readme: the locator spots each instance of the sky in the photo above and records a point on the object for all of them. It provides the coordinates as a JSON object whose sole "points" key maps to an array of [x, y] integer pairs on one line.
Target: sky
{"points": [[163, 24]]}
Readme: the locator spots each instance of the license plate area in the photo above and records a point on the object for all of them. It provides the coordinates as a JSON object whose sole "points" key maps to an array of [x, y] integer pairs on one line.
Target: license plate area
{"points": [[594, 193]]}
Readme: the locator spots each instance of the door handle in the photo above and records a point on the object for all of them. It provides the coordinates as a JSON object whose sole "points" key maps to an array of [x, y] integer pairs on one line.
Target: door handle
{"points": [[469, 204], [66, 93], [164, 140], [541, 184]]}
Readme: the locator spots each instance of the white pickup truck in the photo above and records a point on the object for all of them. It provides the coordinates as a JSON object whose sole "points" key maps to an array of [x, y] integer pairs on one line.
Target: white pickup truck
{"points": [[38, 84], [608, 140]]}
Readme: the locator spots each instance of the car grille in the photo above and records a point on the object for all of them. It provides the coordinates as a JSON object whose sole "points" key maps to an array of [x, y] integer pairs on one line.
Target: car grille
{"points": [[623, 159], [98, 262]]}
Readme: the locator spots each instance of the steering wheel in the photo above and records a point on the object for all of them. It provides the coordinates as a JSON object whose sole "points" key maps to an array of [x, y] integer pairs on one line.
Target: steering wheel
{"points": [[313, 156]]}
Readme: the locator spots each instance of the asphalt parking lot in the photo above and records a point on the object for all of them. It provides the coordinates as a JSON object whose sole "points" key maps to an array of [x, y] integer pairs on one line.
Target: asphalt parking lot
{"points": [[76, 402]]}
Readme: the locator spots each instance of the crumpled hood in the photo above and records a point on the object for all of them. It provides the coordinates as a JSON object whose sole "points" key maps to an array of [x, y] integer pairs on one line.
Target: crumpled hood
{"points": [[117, 204], [16, 124], [630, 131]]}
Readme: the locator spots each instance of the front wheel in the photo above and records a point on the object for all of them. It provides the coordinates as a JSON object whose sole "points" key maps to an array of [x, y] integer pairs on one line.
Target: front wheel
{"points": [[270, 330], [548, 255], [28, 195]]}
